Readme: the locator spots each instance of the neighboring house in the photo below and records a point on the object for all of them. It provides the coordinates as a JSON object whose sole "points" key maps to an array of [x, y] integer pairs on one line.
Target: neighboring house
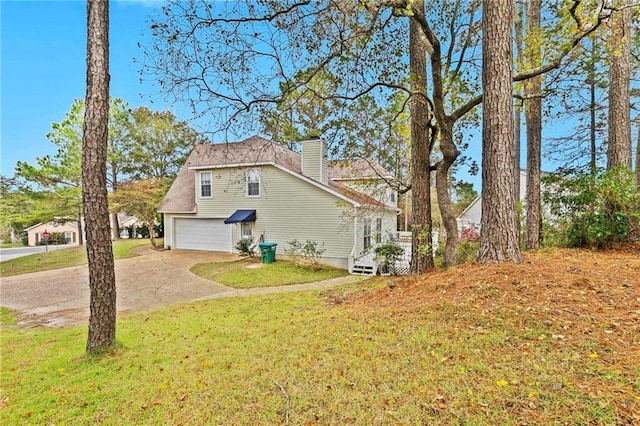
{"points": [[261, 190], [471, 216], [70, 228], [35, 232], [127, 222]]}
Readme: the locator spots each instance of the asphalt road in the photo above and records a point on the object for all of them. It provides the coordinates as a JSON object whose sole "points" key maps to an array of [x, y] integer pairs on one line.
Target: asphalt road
{"points": [[12, 253]]}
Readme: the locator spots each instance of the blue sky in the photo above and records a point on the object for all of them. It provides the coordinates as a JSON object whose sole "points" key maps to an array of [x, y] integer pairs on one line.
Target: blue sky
{"points": [[43, 47], [43, 69]]}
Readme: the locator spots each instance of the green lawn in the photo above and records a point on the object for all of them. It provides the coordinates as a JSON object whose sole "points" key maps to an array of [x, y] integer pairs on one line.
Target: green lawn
{"points": [[257, 360], [64, 258], [11, 245], [249, 273]]}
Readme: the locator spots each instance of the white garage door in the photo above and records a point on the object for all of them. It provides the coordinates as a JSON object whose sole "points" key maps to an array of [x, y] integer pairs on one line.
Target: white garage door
{"points": [[203, 234]]}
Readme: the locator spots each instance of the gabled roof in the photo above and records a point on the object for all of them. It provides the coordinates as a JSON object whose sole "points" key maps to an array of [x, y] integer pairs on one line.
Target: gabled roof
{"points": [[54, 223], [250, 151], [253, 151]]}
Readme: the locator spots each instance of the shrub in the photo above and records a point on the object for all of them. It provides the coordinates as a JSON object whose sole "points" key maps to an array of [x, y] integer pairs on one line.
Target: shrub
{"points": [[246, 247], [308, 253], [55, 238], [387, 255], [470, 234], [596, 211], [468, 250]]}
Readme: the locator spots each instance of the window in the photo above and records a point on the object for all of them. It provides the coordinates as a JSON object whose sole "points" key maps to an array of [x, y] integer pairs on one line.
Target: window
{"points": [[367, 233], [378, 234], [246, 229], [205, 184], [253, 183], [393, 197], [68, 236]]}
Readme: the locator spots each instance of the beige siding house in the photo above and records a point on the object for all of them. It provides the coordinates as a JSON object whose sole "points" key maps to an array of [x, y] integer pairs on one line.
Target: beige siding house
{"points": [[259, 189], [35, 233]]}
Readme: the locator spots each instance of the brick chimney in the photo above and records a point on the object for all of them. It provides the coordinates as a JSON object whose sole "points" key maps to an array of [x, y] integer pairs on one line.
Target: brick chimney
{"points": [[314, 159]]}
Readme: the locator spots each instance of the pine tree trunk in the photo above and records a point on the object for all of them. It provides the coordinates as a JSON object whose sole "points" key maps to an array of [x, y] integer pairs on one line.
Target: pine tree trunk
{"points": [[421, 221], [619, 148], [533, 114], [102, 285], [517, 125], [498, 233]]}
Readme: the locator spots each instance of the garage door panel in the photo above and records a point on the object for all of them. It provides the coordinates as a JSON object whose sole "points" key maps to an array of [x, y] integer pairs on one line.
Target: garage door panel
{"points": [[202, 234]]}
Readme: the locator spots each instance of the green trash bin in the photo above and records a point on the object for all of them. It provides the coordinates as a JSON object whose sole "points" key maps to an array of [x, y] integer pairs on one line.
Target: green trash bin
{"points": [[268, 251]]}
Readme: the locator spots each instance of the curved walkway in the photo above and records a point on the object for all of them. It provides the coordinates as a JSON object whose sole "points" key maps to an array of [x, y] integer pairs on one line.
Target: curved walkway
{"points": [[60, 297]]}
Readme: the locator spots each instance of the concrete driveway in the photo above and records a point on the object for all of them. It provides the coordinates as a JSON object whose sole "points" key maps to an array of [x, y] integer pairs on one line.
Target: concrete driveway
{"points": [[60, 297], [156, 278]]}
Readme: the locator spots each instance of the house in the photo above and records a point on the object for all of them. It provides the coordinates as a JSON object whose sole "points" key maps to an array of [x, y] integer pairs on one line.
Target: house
{"points": [[35, 233], [471, 216], [261, 190], [70, 228]]}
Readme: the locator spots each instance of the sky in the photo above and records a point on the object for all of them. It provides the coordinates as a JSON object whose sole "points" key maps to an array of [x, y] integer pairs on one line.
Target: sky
{"points": [[43, 66], [43, 45], [42, 70]]}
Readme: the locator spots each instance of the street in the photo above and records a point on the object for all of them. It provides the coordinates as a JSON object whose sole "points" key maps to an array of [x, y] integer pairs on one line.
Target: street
{"points": [[12, 253]]}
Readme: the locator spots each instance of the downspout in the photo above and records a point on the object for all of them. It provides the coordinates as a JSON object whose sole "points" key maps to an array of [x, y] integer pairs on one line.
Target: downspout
{"points": [[355, 239]]}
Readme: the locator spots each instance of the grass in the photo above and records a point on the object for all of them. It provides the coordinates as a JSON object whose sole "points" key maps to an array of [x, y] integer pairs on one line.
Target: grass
{"points": [[318, 359], [11, 245], [64, 258], [553, 340], [249, 273]]}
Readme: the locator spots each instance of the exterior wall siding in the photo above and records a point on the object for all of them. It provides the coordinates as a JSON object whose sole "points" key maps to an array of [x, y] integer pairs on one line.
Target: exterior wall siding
{"points": [[389, 227], [288, 208]]}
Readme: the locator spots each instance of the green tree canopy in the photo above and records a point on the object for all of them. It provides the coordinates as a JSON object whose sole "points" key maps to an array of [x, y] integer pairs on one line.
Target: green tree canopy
{"points": [[158, 144], [141, 199]]}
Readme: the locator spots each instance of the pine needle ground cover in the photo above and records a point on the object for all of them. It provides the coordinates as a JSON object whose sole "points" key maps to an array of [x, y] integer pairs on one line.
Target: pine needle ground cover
{"points": [[554, 340]]}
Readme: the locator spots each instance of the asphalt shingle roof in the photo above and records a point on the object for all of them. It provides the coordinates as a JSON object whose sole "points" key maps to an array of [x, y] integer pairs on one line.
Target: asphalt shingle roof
{"points": [[181, 196]]}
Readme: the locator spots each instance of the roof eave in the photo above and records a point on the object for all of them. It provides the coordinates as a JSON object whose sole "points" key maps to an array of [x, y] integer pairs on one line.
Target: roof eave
{"points": [[229, 166]]}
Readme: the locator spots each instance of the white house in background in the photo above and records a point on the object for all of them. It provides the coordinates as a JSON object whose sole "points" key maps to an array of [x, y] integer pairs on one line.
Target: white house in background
{"points": [[258, 189], [471, 216]]}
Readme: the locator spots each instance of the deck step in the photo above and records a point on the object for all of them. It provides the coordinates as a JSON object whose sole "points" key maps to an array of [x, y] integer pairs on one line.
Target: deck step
{"points": [[365, 267]]}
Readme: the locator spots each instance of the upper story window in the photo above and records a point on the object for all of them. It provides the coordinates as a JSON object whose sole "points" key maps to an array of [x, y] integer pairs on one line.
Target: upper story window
{"points": [[393, 197], [205, 184], [253, 183]]}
